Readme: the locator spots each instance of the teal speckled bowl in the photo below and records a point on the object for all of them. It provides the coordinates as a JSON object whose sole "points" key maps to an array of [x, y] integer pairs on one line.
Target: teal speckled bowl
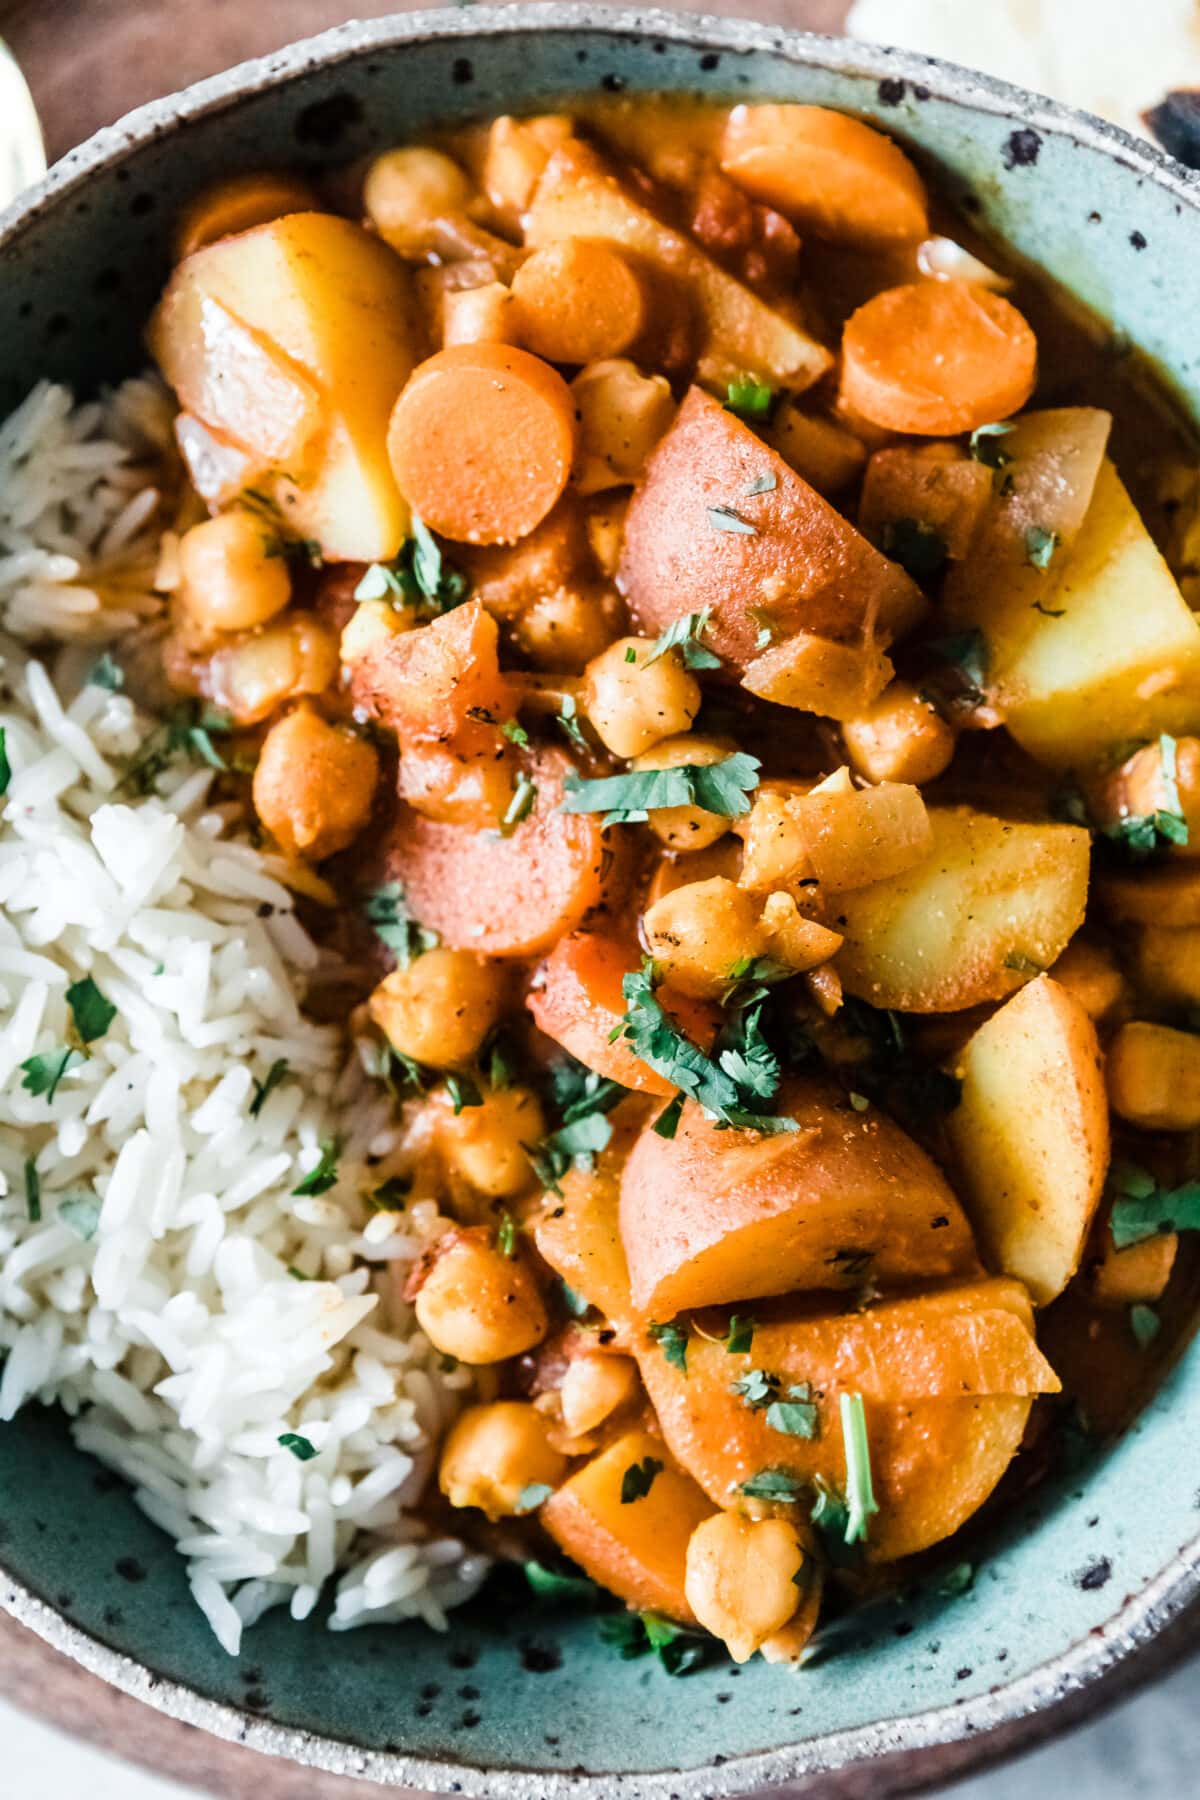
{"points": [[1075, 1584]]}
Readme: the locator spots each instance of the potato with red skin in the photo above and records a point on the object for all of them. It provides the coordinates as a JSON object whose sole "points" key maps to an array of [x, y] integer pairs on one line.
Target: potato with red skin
{"points": [[710, 1217], [947, 1381], [506, 896], [433, 682], [802, 567], [576, 1000]]}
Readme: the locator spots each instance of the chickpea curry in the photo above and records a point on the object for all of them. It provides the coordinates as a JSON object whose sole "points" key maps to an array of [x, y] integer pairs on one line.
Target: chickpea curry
{"points": [[741, 739]]}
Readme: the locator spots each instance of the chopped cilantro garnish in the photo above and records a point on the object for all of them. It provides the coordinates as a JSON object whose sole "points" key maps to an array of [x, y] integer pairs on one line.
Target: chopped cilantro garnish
{"points": [[515, 732], [582, 1098], [419, 577], [554, 1585], [860, 1495], [1040, 546], [499, 1058], [796, 1414], [463, 1091], [521, 804], [666, 1125], [724, 518], [967, 653], [324, 1174], [33, 1192], [755, 1388], [751, 398], [568, 722], [740, 1335], [91, 1013], [1140, 835], [82, 1213], [187, 731], [721, 788], [1020, 964], [106, 672], [743, 1068], [631, 654], [43, 1073], [533, 1496], [299, 1446], [917, 547], [387, 910], [1141, 1209], [573, 1304], [506, 1235], [1145, 1325], [672, 1340], [985, 446], [391, 1195], [684, 635], [639, 1478], [277, 1073], [780, 1485], [638, 1634], [761, 484]]}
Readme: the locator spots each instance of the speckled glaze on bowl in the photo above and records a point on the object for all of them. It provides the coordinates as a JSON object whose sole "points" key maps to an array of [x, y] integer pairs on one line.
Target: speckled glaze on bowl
{"points": [[1077, 1584]]}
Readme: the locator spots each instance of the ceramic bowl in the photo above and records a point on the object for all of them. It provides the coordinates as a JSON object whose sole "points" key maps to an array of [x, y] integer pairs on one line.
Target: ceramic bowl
{"points": [[1077, 1581]]}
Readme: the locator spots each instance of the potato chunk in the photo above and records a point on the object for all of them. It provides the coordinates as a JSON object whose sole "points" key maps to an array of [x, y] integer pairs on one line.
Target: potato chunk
{"points": [[696, 535], [1031, 1135], [993, 902], [637, 1548], [710, 1217], [947, 1381], [578, 1233]]}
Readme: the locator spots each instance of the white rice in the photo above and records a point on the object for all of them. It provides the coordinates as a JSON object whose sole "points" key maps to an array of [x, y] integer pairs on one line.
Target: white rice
{"points": [[156, 1298]]}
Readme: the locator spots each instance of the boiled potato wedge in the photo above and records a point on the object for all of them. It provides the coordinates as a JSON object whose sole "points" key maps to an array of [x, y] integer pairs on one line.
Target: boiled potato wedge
{"points": [[1084, 681], [993, 902], [331, 304], [635, 1548], [709, 1217], [1031, 1135], [579, 197], [578, 1233], [947, 1381], [700, 534]]}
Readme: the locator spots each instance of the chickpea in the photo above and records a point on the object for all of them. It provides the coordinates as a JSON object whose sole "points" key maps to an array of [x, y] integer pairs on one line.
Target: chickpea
{"points": [[480, 315], [606, 532], [229, 580], [741, 1579], [792, 939], [631, 706], [517, 153], [257, 674], [686, 827], [899, 738], [485, 1144], [568, 626], [592, 1390], [314, 784], [1090, 972], [622, 414], [372, 622], [407, 189], [699, 934], [577, 301], [439, 1009], [493, 1454], [476, 1303], [1154, 1077]]}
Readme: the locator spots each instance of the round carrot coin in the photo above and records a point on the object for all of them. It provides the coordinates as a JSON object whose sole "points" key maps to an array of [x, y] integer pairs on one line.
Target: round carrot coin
{"points": [[481, 442], [831, 175], [936, 358]]}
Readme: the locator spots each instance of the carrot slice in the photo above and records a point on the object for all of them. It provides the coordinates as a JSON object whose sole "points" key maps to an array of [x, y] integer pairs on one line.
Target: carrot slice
{"points": [[481, 442], [505, 896], [577, 301], [432, 682], [579, 1004], [831, 175], [936, 358], [237, 205]]}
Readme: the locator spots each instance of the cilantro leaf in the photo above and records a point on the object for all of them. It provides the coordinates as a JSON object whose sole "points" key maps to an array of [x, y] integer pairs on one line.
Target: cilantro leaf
{"points": [[277, 1073], [780, 1485], [860, 1495], [574, 1305], [91, 1013], [506, 1235], [639, 1478], [917, 547], [750, 398], [387, 910], [33, 1192], [567, 720], [581, 1098], [1141, 834], [684, 635], [324, 1174], [637, 1634], [391, 1195], [796, 1415], [106, 672], [761, 484], [515, 732], [187, 731], [82, 1213], [521, 804], [721, 788], [724, 518], [740, 1335], [463, 1091], [1142, 1209], [1040, 546], [299, 1446], [43, 1073], [967, 653], [672, 1340], [553, 1585], [985, 446], [419, 577], [755, 1388]]}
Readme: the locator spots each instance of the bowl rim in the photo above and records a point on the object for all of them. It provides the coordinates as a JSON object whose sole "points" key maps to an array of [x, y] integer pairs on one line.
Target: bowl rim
{"points": [[1014, 1714]]}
